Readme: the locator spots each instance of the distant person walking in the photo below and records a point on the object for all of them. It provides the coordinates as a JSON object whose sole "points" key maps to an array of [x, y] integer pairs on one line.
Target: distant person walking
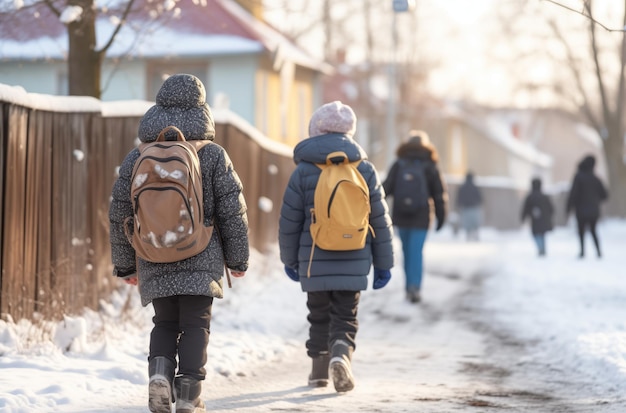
{"points": [[332, 279], [416, 186], [469, 205], [586, 194], [539, 208]]}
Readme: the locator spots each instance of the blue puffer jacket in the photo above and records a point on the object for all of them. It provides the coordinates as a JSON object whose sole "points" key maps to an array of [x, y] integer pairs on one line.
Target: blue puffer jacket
{"points": [[331, 270]]}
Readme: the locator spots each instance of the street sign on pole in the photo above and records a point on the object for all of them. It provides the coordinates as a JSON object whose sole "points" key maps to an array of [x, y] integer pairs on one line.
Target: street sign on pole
{"points": [[400, 6]]}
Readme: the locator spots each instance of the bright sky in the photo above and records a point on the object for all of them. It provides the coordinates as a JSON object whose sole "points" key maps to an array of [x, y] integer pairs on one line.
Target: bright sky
{"points": [[464, 46]]}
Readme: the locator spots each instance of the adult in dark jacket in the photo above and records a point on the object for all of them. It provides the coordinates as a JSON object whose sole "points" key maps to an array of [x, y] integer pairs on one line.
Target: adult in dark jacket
{"points": [[336, 278], [538, 207], [585, 197], [469, 202], [413, 226], [182, 292]]}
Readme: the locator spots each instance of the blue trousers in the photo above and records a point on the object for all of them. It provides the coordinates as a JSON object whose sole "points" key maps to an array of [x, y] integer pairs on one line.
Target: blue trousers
{"points": [[540, 240], [412, 245]]}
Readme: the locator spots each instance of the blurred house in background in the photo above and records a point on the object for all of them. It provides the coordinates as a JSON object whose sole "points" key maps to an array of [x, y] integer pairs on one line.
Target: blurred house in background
{"points": [[506, 148], [245, 64]]}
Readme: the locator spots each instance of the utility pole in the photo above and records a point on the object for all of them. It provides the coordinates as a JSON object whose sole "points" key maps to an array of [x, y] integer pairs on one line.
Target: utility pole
{"points": [[399, 6]]}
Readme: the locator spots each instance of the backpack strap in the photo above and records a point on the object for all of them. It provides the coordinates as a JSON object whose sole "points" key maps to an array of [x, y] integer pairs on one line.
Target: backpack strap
{"points": [[200, 143], [196, 143], [179, 134]]}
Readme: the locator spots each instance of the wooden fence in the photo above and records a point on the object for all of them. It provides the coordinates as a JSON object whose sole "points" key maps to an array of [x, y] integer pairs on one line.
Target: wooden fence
{"points": [[57, 168], [58, 161]]}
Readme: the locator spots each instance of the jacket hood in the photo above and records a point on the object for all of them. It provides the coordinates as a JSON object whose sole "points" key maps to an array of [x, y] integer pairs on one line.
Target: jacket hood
{"points": [[316, 148], [587, 164], [181, 102], [417, 150]]}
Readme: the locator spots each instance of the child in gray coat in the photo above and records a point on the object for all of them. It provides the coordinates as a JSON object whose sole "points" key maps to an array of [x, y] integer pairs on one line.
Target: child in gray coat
{"points": [[182, 292]]}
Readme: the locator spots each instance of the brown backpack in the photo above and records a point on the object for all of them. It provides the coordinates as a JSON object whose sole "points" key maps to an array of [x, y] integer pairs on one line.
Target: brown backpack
{"points": [[166, 193]]}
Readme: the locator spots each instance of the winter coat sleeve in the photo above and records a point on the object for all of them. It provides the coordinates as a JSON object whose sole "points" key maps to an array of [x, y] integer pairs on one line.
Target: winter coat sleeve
{"points": [[550, 212], [390, 179], [291, 222], [438, 193], [382, 242], [603, 193], [573, 195], [120, 208], [525, 209], [230, 214]]}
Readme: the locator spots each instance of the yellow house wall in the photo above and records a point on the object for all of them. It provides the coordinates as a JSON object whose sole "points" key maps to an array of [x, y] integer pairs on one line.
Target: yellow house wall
{"points": [[291, 126]]}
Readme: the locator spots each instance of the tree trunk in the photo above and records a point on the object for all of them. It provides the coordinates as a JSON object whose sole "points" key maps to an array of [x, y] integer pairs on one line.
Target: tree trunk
{"points": [[614, 154], [84, 62]]}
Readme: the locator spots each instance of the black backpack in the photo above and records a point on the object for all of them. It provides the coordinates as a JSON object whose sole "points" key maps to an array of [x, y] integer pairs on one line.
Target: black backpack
{"points": [[410, 192]]}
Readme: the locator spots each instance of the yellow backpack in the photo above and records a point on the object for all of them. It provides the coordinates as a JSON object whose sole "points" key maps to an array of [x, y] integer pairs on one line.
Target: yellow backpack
{"points": [[341, 207]]}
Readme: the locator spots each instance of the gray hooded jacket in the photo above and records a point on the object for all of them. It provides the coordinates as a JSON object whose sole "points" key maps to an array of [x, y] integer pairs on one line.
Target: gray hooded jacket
{"points": [[331, 270], [181, 102]]}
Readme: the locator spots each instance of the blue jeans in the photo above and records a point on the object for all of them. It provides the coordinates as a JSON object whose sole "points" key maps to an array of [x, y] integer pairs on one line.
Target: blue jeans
{"points": [[412, 245], [540, 240]]}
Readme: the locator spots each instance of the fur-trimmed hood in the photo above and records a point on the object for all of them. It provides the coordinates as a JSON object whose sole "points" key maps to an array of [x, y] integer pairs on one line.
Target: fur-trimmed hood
{"points": [[416, 150]]}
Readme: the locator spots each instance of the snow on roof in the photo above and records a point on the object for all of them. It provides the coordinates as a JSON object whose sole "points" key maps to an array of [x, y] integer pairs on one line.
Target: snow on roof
{"points": [[588, 133], [221, 27], [168, 43], [274, 41], [499, 131]]}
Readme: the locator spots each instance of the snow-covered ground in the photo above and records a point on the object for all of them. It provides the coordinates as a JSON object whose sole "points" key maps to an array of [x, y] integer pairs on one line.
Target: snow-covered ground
{"points": [[498, 327]]}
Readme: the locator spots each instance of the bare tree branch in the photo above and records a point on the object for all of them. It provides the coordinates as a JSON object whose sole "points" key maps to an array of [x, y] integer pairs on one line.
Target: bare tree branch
{"points": [[606, 109], [50, 5], [582, 13], [120, 24], [577, 76], [621, 86]]}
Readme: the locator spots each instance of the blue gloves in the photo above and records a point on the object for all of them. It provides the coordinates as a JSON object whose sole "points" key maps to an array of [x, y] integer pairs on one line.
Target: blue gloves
{"points": [[291, 273], [381, 278]]}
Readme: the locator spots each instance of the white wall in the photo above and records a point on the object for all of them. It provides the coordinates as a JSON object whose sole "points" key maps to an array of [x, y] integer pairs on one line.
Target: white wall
{"points": [[234, 76], [34, 77], [128, 81]]}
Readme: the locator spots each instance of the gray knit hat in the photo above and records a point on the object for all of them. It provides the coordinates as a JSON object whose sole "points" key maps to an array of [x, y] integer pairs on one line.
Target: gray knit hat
{"points": [[181, 102], [333, 117]]}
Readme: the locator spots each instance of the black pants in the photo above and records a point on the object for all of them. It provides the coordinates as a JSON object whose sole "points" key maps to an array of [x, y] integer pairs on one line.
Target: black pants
{"points": [[332, 316], [583, 224], [181, 327]]}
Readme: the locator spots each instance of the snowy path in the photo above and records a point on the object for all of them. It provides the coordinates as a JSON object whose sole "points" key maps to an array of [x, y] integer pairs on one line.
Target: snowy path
{"points": [[406, 356], [499, 329]]}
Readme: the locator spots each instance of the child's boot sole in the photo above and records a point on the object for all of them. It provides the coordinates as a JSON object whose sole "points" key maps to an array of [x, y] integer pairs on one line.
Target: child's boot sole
{"points": [[160, 396], [342, 376]]}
